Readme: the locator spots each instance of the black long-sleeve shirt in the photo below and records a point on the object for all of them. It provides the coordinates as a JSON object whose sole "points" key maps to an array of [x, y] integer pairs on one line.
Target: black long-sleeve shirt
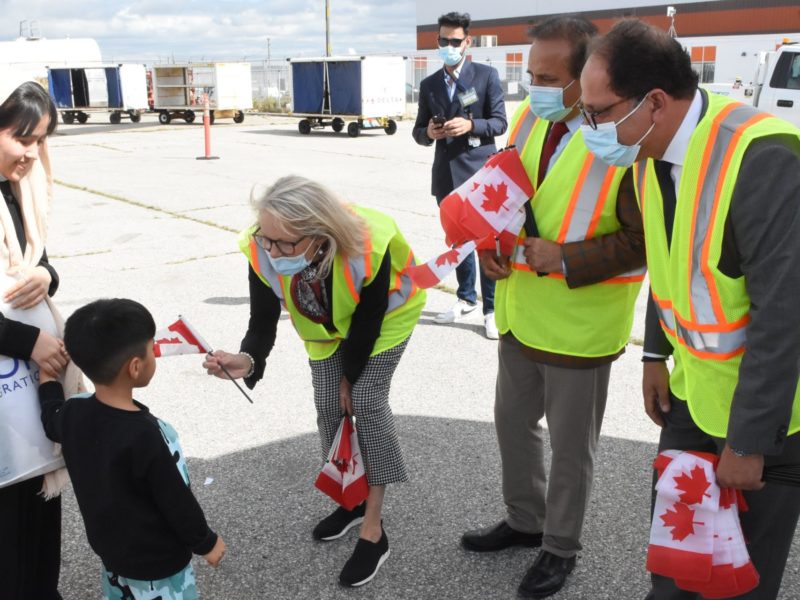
{"points": [[761, 242], [365, 327], [17, 339], [141, 518]]}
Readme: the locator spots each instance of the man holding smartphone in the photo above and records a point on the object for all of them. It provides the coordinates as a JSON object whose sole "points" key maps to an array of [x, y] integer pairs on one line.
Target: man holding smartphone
{"points": [[461, 108]]}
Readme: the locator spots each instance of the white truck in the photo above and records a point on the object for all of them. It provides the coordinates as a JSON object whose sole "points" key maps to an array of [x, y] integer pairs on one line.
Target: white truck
{"points": [[776, 87]]}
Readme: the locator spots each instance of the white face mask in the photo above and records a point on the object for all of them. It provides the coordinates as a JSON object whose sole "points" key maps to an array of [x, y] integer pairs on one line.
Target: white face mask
{"points": [[604, 143], [548, 102]]}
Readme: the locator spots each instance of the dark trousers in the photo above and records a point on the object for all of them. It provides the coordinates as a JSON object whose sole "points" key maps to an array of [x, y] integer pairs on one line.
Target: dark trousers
{"points": [[768, 525], [30, 543], [466, 275]]}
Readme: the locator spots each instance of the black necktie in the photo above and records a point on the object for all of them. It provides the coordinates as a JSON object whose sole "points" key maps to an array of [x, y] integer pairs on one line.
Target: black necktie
{"points": [[667, 185]]}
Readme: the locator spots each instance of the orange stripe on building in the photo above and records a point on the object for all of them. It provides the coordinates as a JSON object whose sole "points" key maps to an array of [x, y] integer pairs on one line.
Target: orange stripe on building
{"points": [[573, 201], [723, 173]]}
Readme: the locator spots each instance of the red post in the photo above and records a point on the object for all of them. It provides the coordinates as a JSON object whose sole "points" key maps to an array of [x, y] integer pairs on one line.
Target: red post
{"points": [[207, 130]]}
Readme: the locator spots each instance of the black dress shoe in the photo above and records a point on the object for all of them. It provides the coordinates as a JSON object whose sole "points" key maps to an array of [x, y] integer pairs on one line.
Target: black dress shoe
{"points": [[499, 537], [546, 576]]}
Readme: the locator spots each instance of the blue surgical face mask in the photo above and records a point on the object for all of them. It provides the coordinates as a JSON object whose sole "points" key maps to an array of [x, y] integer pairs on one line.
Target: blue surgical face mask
{"points": [[451, 56], [548, 102], [289, 265], [604, 143]]}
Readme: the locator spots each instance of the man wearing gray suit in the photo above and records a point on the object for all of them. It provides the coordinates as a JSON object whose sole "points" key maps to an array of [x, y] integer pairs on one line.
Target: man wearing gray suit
{"points": [[461, 108]]}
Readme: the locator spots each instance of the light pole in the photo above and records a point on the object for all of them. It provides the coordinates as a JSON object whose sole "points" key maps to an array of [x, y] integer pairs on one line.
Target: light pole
{"points": [[327, 27]]}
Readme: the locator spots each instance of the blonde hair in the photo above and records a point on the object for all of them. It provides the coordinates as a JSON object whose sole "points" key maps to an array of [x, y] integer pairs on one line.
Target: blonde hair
{"points": [[312, 210]]}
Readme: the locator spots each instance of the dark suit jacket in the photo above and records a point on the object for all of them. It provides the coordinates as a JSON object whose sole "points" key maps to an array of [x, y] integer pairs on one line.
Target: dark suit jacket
{"points": [[457, 161]]}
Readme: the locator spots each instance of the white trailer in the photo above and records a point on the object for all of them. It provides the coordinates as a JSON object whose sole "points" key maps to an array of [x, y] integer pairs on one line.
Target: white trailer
{"points": [[369, 90], [179, 89], [117, 90]]}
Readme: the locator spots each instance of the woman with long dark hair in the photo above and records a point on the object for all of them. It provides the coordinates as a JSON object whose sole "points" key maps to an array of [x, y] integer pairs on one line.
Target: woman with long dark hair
{"points": [[31, 468]]}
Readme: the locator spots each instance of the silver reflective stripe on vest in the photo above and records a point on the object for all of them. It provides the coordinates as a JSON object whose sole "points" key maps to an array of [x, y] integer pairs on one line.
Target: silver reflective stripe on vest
{"points": [[524, 131], [358, 271], [666, 316], [400, 296], [588, 197], [701, 295], [712, 341], [268, 273]]}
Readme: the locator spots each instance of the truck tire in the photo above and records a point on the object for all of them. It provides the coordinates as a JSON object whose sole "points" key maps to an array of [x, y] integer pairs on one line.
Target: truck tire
{"points": [[115, 118], [337, 125], [353, 129], [238, 117], [391, 127], [188, 116], [68, 118], [304, 127], [82, 117], [164, 117]]}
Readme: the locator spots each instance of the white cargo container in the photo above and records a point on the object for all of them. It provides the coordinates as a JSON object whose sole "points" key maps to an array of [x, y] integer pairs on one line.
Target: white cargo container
{"points": [[369, 89], [178, 90], [78, 91]]}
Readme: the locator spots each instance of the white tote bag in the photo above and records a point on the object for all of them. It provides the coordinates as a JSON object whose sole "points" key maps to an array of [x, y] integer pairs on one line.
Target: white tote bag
{"points": [[25, 451]]}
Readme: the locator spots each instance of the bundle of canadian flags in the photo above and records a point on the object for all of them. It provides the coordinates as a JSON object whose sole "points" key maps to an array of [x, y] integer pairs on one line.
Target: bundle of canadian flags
{"points": [[484, 211], [696, 537]]}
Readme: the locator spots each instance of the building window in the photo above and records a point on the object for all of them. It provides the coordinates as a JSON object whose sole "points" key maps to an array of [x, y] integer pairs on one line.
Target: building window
{"points": [[704, 59], [420, 70], [514, 66]]}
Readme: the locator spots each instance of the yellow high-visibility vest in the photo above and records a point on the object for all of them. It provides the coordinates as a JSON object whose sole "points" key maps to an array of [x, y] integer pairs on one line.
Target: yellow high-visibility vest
{"points": [[703, 312], [350, 275], [577, 200]]}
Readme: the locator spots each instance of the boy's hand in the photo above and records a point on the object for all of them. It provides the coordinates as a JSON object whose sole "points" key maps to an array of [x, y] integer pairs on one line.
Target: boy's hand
{"points": [[216, 554], [51, 356]]}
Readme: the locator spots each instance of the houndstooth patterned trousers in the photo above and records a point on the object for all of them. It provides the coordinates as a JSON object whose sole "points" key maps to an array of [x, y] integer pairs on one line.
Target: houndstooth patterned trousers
{"points": [[373, 416]]}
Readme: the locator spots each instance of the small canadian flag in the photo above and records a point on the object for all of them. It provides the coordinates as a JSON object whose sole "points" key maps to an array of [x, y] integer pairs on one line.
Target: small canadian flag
{"points": [[486, 203], [179, 338], [343, 477], [435, 270]]}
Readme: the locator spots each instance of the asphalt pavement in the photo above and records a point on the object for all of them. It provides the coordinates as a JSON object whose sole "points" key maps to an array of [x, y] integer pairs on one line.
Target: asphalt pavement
{"points": [[136, 215]]}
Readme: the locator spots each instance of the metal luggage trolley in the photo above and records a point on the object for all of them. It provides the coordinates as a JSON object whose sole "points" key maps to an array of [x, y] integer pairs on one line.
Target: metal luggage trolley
{"points": [[178, 90], [118, 90], [366, 90]]}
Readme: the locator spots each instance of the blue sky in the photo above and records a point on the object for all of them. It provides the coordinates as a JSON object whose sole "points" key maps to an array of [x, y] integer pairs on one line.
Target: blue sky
{"points": [[218, 29]]}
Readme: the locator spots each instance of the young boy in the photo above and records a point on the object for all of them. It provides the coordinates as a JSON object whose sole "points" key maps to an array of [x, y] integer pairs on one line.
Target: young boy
{"points": [[127, 469]]}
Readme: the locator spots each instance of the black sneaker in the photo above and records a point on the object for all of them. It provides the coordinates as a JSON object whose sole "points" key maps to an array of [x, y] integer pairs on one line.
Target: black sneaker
{"points": [[339, 522], [363, 565]]}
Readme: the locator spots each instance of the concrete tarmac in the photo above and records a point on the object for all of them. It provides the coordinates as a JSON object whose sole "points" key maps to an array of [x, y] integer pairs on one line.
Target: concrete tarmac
{"points": [[136, 215]]}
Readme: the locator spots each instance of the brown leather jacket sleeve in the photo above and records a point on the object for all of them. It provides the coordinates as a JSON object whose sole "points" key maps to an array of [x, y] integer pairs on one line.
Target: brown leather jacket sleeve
{"points": [[606, 256]]}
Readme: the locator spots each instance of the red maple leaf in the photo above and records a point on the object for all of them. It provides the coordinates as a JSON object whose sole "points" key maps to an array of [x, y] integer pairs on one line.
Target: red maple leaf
{"points": [[693, 486], [495, 197], [680, 519], [450, 257], [173, 340]]}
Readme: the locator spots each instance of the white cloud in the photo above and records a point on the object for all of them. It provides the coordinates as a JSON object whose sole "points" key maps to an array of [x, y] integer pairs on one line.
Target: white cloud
{"points": [[208, 29]]}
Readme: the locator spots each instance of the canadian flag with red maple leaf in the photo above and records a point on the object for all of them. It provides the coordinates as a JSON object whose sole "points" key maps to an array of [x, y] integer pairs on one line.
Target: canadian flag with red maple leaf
{"points": [[179, 338], [696, 537], [487, 202], [435, 270], [343, 477]]}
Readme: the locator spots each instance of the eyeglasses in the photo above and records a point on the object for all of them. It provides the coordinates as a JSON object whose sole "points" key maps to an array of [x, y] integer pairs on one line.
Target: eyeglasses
{"points": [[591, 117], [454, 42], [284, 247]]}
